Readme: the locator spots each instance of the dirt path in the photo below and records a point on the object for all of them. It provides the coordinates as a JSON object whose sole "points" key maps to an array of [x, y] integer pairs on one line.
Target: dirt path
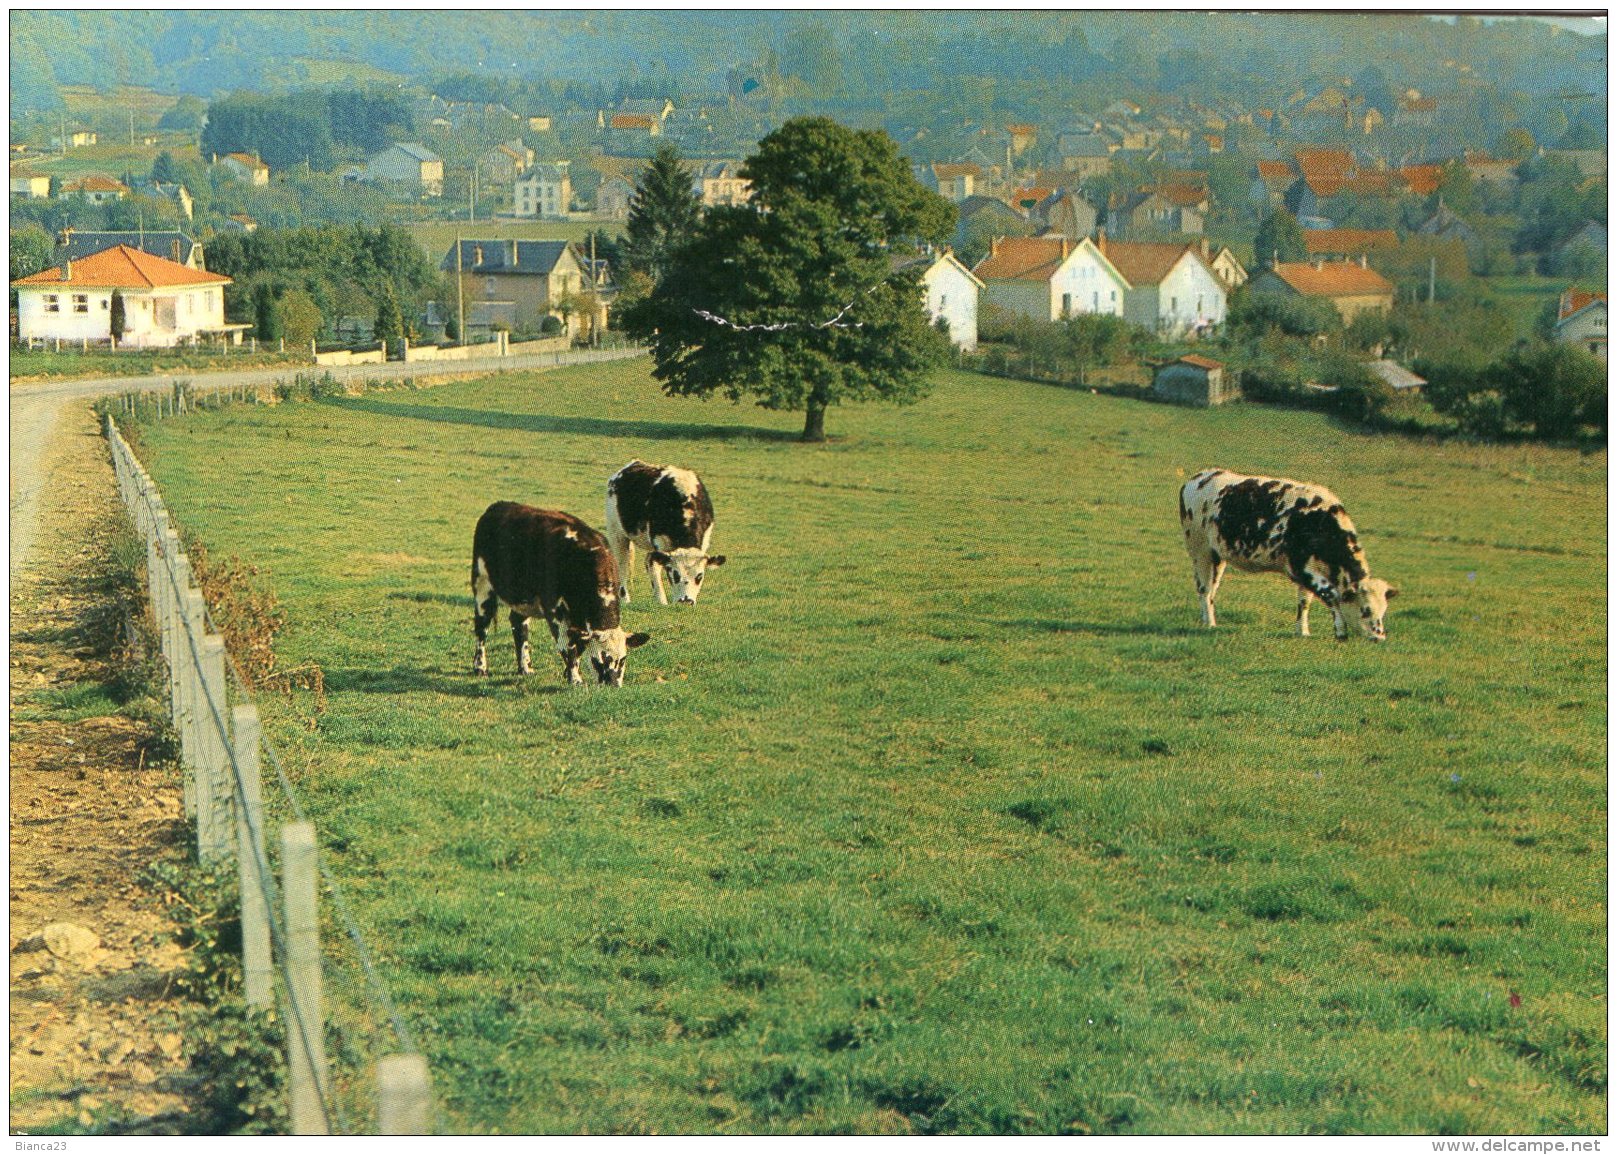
{"points": [[92, 1028]]}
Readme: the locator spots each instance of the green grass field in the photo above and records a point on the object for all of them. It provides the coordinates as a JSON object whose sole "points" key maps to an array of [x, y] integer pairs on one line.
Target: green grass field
{"points": [[940, 812]]}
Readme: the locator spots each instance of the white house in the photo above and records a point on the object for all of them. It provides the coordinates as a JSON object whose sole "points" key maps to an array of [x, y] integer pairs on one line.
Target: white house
{"points": [[246, 168], [165, 303], [1581, 321], [1048, 278], [547, 191], [951, 293], [409, 164], [35, 186], [1172, 289]]}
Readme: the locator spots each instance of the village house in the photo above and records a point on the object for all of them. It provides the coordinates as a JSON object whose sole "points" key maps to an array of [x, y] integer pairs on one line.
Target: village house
{"points": [[1085, 154], [719, 182], [245, 168], [613, 197], [78, 138], [1067, 214], [164, 303], [78, 244], [1172, 291], [1227, 269], [409, 164], [96, 189], [1350, 288], [1159, 210], [27, 183], [505, 163], [952, 292], [516, 284], [1047, 278], [1581, 321], [546, 192]]}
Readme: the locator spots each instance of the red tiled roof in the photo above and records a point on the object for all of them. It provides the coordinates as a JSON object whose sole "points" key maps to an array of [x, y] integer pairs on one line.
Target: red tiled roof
{"points": [[1422, 179], [1200, 362], [1276, 172], [95, 183], [122, 267], [1023, 259], [1144, 262], [1574, 300], [1183, 195], [250, 161], [1033, 194], [1333, 279], [950, 171], [632, 120], [1348, 240]]}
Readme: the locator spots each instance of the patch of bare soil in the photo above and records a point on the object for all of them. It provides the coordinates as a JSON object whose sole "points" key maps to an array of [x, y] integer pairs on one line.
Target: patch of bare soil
{"points": [[94, 1041]]}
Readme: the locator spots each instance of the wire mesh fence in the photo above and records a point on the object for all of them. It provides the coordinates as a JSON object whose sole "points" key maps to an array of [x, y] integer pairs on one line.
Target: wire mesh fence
{"points": [[353, 1065]]}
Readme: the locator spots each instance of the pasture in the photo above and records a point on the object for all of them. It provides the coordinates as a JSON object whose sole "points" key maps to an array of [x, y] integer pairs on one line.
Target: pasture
{"points": [[940, 812]]}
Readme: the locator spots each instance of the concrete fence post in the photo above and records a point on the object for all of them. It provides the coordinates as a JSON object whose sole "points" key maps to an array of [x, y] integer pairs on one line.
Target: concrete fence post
{"points": [[213, 772], [305, 1024], [251, 860], [187, 650], [403, 1095]]}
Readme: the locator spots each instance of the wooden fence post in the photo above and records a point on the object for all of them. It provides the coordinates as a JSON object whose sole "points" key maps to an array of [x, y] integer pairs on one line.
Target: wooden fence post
{"points": [[305, 1024], [251, 860], [403, 1095], [213, 771]]}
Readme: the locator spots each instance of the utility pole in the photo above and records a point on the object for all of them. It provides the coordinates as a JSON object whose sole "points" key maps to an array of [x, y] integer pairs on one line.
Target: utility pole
{"points": [[1431, 281], [460, 290]]}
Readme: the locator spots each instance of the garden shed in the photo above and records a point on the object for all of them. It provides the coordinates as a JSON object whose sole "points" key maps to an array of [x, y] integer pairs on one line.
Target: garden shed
{"points": [[1192, 380]]}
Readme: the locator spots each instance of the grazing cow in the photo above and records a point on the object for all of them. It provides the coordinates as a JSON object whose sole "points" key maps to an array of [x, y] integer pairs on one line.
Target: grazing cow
{"points": [[1270, 525], [666, 512], [543, 562]]}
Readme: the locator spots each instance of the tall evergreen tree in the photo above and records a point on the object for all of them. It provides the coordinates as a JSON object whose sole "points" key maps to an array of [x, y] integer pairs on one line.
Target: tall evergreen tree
{"points": [[389, 318], [266, 314], [792, 299], [118, 321], [662, 214], [1280, 237]]}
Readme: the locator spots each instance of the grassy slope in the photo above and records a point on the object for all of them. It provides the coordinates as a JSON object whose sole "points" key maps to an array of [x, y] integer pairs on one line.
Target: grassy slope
{"points": [[940, 811]]}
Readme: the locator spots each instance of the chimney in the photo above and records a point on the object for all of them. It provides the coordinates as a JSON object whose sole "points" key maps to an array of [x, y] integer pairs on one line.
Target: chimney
{"points": [[477, 255], [174, 248], [1064, 249], [993, 247], [513, 245], [67, 270], [1364, 260], [1205, 248], [1100, 242]]}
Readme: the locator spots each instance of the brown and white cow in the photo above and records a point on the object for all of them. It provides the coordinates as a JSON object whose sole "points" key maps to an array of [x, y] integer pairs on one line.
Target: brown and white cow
{"points": [[666, 512], [1271, 525], [541, 562]]}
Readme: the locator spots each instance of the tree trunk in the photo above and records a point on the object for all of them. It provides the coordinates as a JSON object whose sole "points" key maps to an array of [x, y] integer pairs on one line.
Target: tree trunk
{"points": [[814, 422]]}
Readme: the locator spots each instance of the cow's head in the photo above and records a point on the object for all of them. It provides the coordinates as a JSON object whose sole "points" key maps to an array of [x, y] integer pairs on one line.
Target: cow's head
{"points": [[608, 650], [1371, 597], [685, 568]]}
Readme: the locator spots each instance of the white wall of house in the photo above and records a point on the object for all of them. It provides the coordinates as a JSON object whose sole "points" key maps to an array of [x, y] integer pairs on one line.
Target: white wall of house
{"points": [[159, 317], [1585, 329], [951, 295], [1020, 298], [1189, 296], [542, 195], [1084, 284]]}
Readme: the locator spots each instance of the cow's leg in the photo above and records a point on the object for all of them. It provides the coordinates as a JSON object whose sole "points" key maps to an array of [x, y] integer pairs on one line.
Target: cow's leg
{"points": [[519, 635], [1338, 620], [484, 602], [655, 573], [1209, 572], [570, 650], [622, 554], [1304, 597]]}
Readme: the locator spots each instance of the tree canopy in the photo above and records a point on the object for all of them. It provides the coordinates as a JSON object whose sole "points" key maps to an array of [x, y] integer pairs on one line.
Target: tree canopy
{"points": [[796, 299]]}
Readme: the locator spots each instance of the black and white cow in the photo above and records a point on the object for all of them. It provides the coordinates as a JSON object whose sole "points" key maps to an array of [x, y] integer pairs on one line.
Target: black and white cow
{"points": [[1271, 525], [541, 562], [666, 512]]}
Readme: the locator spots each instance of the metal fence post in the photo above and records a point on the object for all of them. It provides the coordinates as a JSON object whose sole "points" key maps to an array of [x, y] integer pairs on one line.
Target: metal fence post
{"points": [[214, 794], [403, 1095], [305, 1024], [257, 975]]}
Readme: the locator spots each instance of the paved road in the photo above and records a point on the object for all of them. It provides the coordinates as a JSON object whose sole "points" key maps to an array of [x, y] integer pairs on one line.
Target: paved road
{"points": [[36, 407]]}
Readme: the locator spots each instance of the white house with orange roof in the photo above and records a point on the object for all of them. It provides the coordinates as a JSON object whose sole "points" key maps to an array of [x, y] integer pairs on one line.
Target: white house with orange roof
{"points": [[165, 303], [96, 188], [1047, 278], [246, 168], [1172, 288], [1581, 321]]}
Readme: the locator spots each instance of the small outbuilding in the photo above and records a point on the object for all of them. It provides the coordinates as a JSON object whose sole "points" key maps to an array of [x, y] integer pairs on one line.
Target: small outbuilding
{"points": [[1193, 380]]}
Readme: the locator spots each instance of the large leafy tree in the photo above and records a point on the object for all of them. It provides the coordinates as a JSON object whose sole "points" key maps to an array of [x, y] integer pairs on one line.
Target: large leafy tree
{"points": [[793, 299]]}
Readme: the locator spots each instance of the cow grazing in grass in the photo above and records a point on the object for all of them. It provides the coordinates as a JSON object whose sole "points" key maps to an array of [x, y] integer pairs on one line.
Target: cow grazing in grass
{"points": [[1270, 525], [541, 562], [666, 512]]}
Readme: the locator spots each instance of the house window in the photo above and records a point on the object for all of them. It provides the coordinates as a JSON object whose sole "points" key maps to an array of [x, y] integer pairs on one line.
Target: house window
{"points": [[1094, 301], [53, 303], [1173, 304], [1066, 304], [104, 304], [489, 287]]}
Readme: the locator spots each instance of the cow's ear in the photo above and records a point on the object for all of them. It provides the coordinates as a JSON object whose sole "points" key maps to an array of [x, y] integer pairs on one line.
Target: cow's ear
{"points": [[633, 641], [1392, 592], [660, 557], [718, 560]]}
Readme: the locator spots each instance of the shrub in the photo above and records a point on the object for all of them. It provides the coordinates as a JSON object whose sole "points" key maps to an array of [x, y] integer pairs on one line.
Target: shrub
{"points": [[550, 326]]}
